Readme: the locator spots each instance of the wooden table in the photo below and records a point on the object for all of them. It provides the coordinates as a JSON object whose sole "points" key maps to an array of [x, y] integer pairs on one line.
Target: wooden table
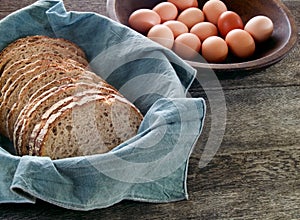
{"points": [[255, 173]]}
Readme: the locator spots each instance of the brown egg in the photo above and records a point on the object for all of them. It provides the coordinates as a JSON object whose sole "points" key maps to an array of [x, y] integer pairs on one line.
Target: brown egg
{"points": [[212, 9], [182, 4], [240, 43], [162, 34], [228, 21], [191, 16], [166, 10], [214, 49], [195, 4], [177, 27], [187, 46], [260, 27], [204, 30], [142, 20]]}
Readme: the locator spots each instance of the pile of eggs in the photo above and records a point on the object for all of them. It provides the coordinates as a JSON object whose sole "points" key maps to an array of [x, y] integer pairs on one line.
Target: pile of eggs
{"points": [[214, 31]]}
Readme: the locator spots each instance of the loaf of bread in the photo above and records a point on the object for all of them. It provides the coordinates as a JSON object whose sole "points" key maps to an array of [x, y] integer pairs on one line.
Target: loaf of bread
{"points": [[53, 105]]}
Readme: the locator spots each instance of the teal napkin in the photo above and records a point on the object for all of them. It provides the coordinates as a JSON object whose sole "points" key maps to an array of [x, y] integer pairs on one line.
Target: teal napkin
{"points": [[151, 166]]}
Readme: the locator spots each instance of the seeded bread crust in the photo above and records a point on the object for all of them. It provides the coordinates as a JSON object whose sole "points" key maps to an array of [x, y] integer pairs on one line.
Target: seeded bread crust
{"points": [[35, 110], [95, 124]]}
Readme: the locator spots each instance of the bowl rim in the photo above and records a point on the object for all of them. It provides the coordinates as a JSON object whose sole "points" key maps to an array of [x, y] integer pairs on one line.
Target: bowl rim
{"points": [[259, 63]]}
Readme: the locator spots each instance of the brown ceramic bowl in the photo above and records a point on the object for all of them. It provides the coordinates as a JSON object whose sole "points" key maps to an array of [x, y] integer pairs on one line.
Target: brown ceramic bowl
{"points": [[281, 42]]}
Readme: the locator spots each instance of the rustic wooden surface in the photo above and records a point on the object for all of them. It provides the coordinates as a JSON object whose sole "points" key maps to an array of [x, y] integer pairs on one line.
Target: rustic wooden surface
{"points": [[255, 173]]}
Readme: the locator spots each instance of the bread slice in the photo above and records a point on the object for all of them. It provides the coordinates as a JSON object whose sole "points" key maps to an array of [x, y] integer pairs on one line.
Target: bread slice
{"points": [[39, 43], [45, 74], [36, 109], [10, 94], [25, 64], [41, 93], [26, 51], [42, 38], [8, 78], [51, 86], [39, 86], [94, 125], [19, 42], [52, 110], [26, 99]]}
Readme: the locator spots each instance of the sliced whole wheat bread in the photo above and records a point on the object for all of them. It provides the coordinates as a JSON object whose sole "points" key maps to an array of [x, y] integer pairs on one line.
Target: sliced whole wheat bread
{"points": [[35, 44], [24, 64], [41, 93], [45, 84], [9, 78], [26, 98], [44, 74], [35, 110], [31, 40], [37, 86], [51, 86], [52, 110], [25, 51], [93, 125], [10, 93], [19, 42]]}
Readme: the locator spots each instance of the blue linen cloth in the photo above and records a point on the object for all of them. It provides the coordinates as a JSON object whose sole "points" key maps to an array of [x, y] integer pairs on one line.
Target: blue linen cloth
{"points": [[151, 166]]}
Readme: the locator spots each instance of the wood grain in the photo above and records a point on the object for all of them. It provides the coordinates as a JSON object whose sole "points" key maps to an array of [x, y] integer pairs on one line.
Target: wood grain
{"points": [[256, 171]]}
